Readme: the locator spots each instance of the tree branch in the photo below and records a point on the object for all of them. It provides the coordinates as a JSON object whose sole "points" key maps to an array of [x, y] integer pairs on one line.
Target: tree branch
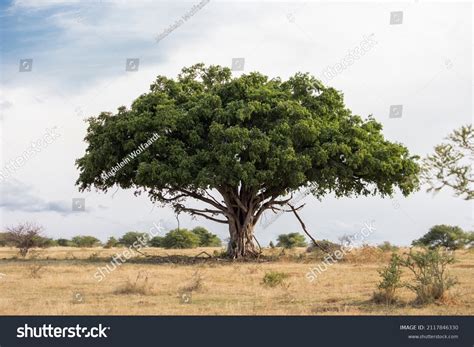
{"points": [[316, 243]]}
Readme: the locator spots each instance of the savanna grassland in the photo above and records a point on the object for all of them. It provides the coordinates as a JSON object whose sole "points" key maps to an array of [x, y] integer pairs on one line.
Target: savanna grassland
{"points": [[60, 281]]}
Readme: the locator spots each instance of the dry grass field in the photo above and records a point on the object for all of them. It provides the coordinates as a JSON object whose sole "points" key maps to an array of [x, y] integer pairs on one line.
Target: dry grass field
{"points": [[60, 281]]}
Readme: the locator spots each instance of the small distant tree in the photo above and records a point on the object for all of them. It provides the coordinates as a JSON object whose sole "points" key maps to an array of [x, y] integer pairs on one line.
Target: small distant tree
{"points": [[451, 164], [271, 245], [156, 241], [25, 236], [206, 238], [291, 240], [111, 242], [451, 237], [134, 236], [85, 241], [180, 238]]}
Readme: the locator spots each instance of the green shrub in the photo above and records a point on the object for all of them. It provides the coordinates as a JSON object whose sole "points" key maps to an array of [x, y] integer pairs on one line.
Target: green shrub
{"points": [[291, 240], [111, 242], [180, 238], [85, 241], [451, 237], [45, 242], [431, 280], [4, 240], [140, 239], [271, 245], [156, 241], [64, 243], [388, 247], [207, 239], [390, 281], [274, 278]]}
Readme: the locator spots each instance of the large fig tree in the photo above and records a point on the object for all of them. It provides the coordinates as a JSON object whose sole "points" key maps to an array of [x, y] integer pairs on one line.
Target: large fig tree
{"points": [[241, 146]]}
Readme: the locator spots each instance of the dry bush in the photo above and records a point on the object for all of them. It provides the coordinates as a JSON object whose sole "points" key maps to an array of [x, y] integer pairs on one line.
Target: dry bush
{"points": [[34, 270], [139, 286], [195, 283], [329, 308], [274, 278], [25, 236], [367, 254]]}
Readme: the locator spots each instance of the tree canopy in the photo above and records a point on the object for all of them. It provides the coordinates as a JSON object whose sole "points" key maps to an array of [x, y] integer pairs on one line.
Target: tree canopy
{"points": [[291, 240], [451, 237], [241, 144]]}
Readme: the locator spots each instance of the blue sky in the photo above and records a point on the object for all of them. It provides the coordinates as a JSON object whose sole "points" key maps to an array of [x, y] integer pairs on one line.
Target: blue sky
{"points": [[79, 50]]}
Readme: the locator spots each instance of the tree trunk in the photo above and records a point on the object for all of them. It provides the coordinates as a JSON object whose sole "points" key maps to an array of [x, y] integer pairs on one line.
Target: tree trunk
{"points": [[241, 244]]}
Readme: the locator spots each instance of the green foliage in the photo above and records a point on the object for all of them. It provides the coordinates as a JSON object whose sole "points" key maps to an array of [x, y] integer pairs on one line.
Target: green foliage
{"points": [[180, 238], [85, 241], [291, 240], [206, 238], [274, 278], [112, 242], [134, 237], [156, 241], [4, 239], [249, 137], [217, 130], [451, 237], [386, 246], [431, 280], [451, 164], [64, 243], [45, 242], [271, 245], [390, 281]]}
